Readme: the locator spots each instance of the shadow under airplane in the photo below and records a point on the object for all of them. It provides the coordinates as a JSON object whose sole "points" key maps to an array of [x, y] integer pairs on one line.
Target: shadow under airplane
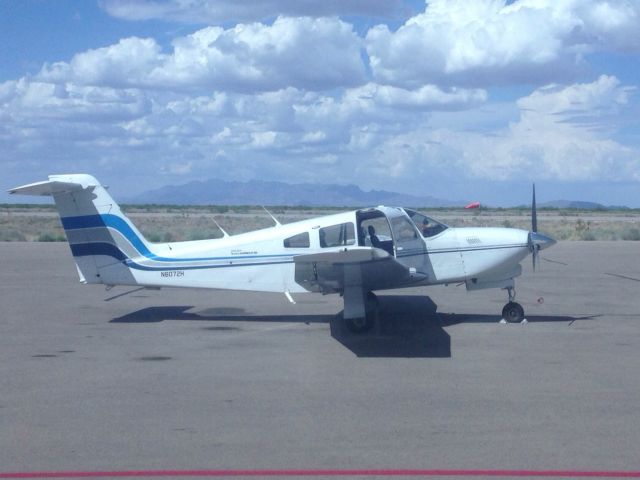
{"points": [[408, 325], [449, 319], [223, 314]]}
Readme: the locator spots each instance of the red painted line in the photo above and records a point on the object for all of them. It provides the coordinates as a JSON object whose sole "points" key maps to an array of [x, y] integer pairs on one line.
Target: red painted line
{"points": [[328, 473]]}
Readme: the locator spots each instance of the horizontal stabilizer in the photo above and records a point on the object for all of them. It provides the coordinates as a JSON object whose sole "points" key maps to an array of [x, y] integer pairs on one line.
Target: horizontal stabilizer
{"points": [[55, 184]]}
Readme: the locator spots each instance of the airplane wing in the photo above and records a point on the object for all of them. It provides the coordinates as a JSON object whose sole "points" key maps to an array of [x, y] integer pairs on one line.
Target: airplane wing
{"points": [[367, 267]]}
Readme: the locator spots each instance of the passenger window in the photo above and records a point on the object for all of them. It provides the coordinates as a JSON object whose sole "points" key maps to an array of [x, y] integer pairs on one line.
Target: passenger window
{"points": [[338, 235], [297, 241]]}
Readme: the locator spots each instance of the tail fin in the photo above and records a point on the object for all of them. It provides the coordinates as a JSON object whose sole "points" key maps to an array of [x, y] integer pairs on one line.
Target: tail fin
{"points": [[101, 238]]}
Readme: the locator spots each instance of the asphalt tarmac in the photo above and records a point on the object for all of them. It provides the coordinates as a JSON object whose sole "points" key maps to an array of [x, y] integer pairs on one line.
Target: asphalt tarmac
{"points": [[95, 380]]}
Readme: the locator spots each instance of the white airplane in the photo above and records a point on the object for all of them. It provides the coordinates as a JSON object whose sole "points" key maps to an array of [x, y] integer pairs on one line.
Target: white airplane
{"points": [[352, 253]]}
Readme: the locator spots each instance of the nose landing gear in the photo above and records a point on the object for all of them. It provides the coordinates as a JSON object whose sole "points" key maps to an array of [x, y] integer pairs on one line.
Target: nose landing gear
{"points": [[512, 311]]}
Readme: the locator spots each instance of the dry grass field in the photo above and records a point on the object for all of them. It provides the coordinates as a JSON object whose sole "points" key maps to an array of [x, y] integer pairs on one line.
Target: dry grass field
{"points": [[176, 223]]}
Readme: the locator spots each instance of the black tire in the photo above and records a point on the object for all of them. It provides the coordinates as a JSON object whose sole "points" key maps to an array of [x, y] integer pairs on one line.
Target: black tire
{"points": [[360, 325], [366, 323], [513, 312]]}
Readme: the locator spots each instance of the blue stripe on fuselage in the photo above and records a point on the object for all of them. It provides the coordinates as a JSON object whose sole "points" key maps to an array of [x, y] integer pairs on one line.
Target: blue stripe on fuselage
{"points": [[118, 223], [109, 250]]}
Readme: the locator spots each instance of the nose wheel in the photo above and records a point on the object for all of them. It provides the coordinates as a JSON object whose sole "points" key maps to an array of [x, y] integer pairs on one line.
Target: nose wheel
{"points": [[512, 311]]}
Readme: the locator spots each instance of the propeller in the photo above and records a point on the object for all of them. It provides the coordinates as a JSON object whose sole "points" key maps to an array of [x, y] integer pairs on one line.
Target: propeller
{"points": [[537, 241], [534, 229]]}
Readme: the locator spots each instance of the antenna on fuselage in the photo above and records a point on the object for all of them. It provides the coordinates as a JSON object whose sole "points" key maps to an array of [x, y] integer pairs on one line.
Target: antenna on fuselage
{"points": [[278, 224], [224, 233]]}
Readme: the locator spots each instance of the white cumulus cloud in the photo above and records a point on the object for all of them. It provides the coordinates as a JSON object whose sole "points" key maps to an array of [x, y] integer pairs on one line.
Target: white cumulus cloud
{"points": [[36, 102], [488, 42], [304, 52], [550, 140], [578, 101]]}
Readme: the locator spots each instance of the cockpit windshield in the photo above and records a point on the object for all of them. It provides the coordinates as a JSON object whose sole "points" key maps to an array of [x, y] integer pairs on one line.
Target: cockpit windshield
{"points": [[427, 226]]}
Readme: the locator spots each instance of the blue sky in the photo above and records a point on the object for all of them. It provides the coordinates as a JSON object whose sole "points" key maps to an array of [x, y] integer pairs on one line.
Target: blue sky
{"points": [[459, 99]]}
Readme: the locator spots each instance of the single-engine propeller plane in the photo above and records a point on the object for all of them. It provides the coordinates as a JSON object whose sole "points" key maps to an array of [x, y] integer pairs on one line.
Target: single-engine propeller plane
{"points": [[352, 253]]}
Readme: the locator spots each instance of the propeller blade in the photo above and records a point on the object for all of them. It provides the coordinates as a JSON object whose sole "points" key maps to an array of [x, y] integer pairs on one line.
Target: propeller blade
{"points": [[534, 212]]}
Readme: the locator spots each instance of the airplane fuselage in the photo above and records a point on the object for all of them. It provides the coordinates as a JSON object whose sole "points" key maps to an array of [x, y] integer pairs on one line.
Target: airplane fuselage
{"points": [[262, 261]]}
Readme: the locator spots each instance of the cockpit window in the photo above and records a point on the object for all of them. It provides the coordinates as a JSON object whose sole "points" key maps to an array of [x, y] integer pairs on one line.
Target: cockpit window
{"points": [[427, 226]]}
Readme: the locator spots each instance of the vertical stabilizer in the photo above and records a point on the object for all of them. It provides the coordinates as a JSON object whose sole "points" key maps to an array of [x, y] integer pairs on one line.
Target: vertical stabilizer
{"points": [[101, 238]]}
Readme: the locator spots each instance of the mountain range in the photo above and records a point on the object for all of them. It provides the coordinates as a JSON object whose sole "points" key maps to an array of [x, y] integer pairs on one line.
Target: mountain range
{"points": [[258, 192]]}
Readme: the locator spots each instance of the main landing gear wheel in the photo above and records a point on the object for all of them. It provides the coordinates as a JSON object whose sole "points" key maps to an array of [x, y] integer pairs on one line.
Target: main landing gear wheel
{"points": [[360, 324], [513, 312], [366, 323]]}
